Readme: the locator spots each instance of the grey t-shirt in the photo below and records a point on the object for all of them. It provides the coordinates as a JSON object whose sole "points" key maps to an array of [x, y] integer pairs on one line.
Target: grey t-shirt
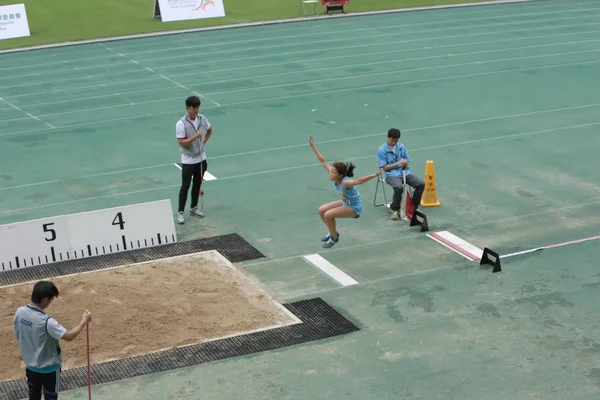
{"points": [[38, 335]]}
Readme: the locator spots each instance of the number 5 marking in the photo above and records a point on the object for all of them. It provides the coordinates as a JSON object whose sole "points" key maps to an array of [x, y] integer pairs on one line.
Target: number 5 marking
{"points": [[52, 231]]}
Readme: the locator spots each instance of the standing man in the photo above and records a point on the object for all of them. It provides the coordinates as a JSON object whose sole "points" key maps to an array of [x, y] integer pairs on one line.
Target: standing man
{"points": [[192, 131], [393, 158], [39, 335]]}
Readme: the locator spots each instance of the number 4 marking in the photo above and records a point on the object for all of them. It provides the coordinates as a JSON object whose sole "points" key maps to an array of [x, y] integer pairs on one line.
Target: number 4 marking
{"points": [[119, 221]]}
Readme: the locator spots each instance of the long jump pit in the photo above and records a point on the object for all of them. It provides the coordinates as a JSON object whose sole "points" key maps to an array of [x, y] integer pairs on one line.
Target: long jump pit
{"points": [[146, 308], [160, 315]]}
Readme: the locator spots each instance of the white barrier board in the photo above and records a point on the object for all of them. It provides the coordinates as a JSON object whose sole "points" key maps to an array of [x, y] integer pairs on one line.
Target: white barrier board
{"points": [[180, 10], [67, 237], [36, 242], [13, 21]]}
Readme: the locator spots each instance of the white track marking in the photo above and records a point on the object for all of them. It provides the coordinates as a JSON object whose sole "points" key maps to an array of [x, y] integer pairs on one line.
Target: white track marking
{"points": [[358, 76], [378, 44], [331, 270], [309, 19], [573, 127], [215, 60], [251, 264], [315, 32], [338, 90], [306, 71], [26, 113], [218, 60], [430, 127], [456, 244], [159, 74], [314, 60], [458, 26]]}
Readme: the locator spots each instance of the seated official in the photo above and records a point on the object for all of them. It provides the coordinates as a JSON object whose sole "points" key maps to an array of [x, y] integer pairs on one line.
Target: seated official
{"points": [[393, 159]]}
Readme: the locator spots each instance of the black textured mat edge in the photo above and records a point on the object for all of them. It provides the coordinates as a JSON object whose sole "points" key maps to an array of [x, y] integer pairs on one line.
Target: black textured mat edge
{"points": [[319, 321], [231, 246]]}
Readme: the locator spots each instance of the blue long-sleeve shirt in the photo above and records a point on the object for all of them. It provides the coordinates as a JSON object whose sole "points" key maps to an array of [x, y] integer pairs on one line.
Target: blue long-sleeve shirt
{"points": [[388, 155]]}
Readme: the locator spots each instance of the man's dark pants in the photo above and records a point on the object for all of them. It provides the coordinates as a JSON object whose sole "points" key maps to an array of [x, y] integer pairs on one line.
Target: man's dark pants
{"points": [[413, 181], [191, 174], [48, 382]]}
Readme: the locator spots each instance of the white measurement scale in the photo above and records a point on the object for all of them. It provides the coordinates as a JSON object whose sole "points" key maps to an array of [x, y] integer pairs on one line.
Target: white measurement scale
{"points": [[67, 237]]}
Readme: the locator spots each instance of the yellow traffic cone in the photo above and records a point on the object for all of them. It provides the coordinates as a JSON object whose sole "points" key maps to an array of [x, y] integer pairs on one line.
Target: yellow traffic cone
{"points": [[429, 198]]}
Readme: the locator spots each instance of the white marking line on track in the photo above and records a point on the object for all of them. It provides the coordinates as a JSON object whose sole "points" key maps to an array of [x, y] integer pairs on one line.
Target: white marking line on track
{"points": [[69, 190], [552, 246], [279, 22], [330, 269], [297, 34], [207, 175], [399, 60], [387, 51], [457, 26], [456, 244], [369, 64], [387, 278], [341, 140], [352, 47], [220, 60], [357, 76], [412, 82], [25, 112], [353, 28], [159, 74], [426, 271], [314, 60], [250, 264], [84, 176], [298, 167]]}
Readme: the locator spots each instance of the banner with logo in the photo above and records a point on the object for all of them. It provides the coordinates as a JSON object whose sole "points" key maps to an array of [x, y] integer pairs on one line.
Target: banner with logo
{"points": [[179, 10], [13, 21]]}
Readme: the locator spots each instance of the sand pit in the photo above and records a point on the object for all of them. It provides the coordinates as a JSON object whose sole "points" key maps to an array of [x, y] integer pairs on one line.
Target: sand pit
{"points": [[148, 307]]}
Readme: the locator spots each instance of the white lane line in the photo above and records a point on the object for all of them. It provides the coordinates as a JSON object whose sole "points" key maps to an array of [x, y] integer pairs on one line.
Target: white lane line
{"points": [[159, 74], [307, 166], [349, 138], [330, 269], [284, 21], [217, 60], [355, 76], [207, 175], [26, 113], [311, 70]]}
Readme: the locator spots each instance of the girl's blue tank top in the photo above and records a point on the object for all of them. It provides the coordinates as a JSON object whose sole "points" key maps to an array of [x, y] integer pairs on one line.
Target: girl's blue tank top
{"points": [[350, 197]]}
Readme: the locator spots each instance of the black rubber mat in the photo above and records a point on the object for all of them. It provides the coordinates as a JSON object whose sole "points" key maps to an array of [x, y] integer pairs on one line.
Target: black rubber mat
{"points": [[231, 246], [319, 321]]}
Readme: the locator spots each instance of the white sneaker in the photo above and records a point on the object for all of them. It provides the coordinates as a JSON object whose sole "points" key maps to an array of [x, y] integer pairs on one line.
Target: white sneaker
{"points": [[394, 215], [194, 212], [180, 218]]}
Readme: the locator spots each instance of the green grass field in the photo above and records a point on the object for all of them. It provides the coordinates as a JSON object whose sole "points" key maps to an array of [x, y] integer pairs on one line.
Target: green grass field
{"points": [[55, 21]]}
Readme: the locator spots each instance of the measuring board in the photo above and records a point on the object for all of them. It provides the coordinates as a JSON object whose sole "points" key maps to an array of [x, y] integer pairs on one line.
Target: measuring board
{"points": [[67, 237]]}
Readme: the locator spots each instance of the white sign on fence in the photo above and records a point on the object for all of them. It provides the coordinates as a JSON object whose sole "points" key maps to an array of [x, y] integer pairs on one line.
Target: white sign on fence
{"points": [[179, 10], [13, 21]]}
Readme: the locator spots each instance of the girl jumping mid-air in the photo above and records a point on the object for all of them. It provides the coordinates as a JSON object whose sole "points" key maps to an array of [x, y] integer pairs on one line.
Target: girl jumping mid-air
{"points": [[350, 206]]}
